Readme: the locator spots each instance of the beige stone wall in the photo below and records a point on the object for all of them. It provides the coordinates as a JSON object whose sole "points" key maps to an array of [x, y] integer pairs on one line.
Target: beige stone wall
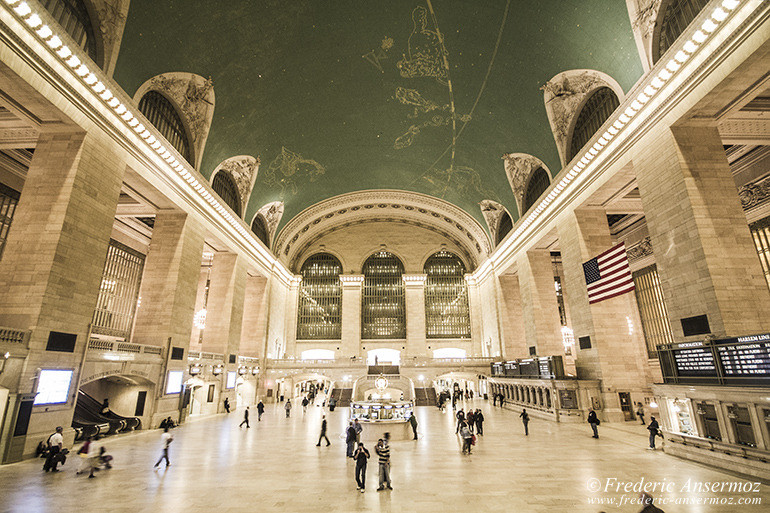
{"points": [[512, 317], [254, 317], [540, 309]]}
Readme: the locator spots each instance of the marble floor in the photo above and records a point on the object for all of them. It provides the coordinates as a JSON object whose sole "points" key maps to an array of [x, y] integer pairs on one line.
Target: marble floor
{"points": [[275, 466]]}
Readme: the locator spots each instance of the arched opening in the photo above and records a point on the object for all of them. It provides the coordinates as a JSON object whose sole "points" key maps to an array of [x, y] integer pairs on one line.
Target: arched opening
{"points": [[383, 305], [673, 18], [163, 115], [597, 109], [259, 228], [538, 183], [73, 17], [504, 227], [383, 356], [450, 352], [317, 354], [319, 313], [447, 314], [115, 404], [224, 185]]}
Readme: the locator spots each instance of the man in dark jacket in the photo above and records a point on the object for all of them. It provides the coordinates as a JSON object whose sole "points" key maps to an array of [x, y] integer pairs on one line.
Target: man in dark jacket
{"points": [[350, 439], [245, 418], [525, 419], [593, 420], [479, 417], [460, 419], [260, 410], [323, 434], [653, 429], [413, 423], [361, 456]]}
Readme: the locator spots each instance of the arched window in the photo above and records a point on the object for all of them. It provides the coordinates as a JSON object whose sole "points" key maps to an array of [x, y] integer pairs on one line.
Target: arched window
{"points": [[675, 16], [599, 106], [537, 185], [259, 228], [446, 297], [319, 315], [503, 227], [73, 16], [163, 115], [383, 311], [224, 185]]}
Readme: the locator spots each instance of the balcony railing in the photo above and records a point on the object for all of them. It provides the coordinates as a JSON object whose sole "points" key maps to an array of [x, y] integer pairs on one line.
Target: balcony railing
{"points": [[117, 346], [203, 355], [14, 337]]}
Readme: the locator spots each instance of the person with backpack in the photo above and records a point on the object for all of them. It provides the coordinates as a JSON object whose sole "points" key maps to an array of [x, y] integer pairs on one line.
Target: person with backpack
{"points": [[55, 447], [593, 420], [654, 429], [525, 419], [361, 456], [467, 436]]}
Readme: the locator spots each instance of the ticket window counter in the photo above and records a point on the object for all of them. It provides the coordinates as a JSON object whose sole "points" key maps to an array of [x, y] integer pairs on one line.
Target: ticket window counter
{"points": [[709, 422], [681, 416], [378, 412], [740, 420]]}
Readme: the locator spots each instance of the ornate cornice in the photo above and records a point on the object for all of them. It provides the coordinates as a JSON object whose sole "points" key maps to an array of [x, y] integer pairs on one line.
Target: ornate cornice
{"points": [[243, 169], [755, 193], [272, 213], [492, 212], [518, 168], [641, 249]]}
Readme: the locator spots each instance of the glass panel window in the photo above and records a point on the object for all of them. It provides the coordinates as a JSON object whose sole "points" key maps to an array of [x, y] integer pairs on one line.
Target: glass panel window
{"points": [[599, 107], [446, 297], [73, 17], [163, 115], [537, 185], [504, 227], [760, 232], [319, 315], [383, 308], [709, 421], [677, 16], [224, 185], [119, 291], [259, 227], [9, 198], [741, 421], [652, 309]]}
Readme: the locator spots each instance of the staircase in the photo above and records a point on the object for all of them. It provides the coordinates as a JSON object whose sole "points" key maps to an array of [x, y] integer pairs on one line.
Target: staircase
{"points": [[341, 396], [425, 396]]}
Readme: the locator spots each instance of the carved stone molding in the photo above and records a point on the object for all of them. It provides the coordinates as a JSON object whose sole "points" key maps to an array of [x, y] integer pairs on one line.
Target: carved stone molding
{"points": [[518, 168], [243, 169], [755, 193], [564, 96], [111, 18], [383, 204], [492, 212], [641, 249], [194, 98], [272, 214], [644, 16]]}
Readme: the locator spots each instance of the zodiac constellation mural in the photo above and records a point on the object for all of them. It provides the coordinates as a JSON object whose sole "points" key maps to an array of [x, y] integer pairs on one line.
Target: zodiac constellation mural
{"points": [[289, 170], [426, 54]]}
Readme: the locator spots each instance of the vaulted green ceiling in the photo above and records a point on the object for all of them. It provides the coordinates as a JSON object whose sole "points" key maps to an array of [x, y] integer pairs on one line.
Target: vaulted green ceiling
{"points": [[342, 95]]}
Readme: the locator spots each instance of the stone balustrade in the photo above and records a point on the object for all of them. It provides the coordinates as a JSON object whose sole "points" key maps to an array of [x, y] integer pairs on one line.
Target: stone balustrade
{"points": [[117, 346], [13, 336]]}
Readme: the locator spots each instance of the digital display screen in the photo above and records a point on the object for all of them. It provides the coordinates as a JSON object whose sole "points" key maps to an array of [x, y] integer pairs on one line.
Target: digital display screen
{"points": [[174, 382], [745, 360], [53, 386], [695, 361], [230, 380]]}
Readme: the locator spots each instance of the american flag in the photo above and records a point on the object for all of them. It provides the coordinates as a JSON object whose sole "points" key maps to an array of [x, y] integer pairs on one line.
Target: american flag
{"points": [[608, 275]]}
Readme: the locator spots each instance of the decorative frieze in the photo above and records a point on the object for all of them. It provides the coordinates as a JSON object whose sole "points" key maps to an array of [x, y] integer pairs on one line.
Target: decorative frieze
{"points": [[244, 170], [492, 212], [754, 193], [641, 249]]}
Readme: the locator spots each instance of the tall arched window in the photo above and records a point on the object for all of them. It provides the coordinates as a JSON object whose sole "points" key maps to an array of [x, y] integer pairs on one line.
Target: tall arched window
{"points": [[675, 16], [163, 115], [73, 16], [259, 228], [446, 297], [504, 227], [537, 185], [383, 306], [224, 185], [319, 315], [599, 106]]}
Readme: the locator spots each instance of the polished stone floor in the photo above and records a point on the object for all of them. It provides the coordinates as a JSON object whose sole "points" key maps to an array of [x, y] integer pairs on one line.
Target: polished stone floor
{"points": [[275, 466]]}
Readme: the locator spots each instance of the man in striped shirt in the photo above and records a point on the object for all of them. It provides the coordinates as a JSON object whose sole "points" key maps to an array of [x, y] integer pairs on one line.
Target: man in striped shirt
{"points": [[383, 451]]}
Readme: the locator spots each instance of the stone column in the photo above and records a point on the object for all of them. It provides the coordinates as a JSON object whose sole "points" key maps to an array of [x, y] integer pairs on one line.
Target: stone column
{"points": [[707, 261], [224, 310], [200, 303], [512, 317], [254, 317], [168, 292], [290, 318], [53, 262], [617, 355], [416, 338], [540, 308], [352, 285]]}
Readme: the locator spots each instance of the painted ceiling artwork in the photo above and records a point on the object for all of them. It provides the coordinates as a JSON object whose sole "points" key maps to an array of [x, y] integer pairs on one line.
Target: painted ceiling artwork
{"points": [[346, 95]]}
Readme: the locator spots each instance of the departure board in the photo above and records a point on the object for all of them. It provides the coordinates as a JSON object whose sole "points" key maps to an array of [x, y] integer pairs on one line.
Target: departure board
{"points": [[544, 367], [695, 361], [745, 360]]}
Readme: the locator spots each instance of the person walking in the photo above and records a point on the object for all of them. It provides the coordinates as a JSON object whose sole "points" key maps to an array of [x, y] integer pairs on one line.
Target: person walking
{"points": [[350, 440], [287, 407], [304, 404], [55, 446], [467, 436], [460, 419], [245, 418], [640, 412], [383, 451], [87, 457], [361, 456], [323, 433], [260, 410], [166, 438], [479, 418], [227, 405], [593, 420], [413, 423], [358, 427], [653, 428], [470, 420], [525, 419]]}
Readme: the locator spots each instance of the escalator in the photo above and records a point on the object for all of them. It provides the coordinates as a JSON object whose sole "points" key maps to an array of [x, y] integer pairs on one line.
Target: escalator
{"points": [[90, 421], [425, 396]]}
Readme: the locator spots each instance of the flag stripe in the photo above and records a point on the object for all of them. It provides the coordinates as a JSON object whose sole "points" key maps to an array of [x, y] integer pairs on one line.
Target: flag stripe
{"points": [[608, 275]]}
